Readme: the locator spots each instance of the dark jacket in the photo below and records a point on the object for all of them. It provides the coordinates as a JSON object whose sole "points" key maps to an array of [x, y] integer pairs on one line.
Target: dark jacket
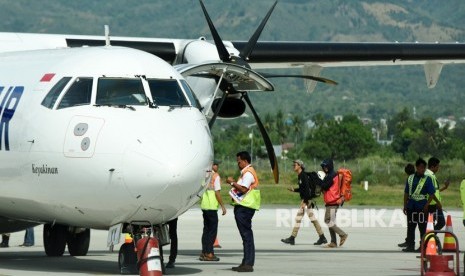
{"points": [[327, 182], [304, 187]]}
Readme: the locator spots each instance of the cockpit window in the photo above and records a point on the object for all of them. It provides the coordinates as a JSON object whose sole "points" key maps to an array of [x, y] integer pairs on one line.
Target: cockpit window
{"points": [[190, 94], [79, 93], [52, 95], [167, 92], [119, 91]]}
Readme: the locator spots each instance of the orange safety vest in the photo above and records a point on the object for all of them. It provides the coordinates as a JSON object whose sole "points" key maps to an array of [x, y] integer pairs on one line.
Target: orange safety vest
{"points": [[252, 171]]}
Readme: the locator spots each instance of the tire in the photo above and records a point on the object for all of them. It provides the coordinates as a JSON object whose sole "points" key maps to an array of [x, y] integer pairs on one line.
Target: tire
{"points": [[55, 239], [127, 259], [78, 243]]}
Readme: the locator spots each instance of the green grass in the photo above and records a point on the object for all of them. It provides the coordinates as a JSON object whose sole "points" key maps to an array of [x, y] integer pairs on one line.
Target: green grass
{"points": [[376, 195]]}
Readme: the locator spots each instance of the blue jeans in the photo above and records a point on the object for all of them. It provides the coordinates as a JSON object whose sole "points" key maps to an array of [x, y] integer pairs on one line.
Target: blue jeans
{"points": [[210, 229], [29, 236], [243, 216]]}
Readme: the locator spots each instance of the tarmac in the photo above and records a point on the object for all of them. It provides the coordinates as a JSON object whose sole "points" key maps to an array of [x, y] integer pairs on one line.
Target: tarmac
{"points": [[371, 248]]}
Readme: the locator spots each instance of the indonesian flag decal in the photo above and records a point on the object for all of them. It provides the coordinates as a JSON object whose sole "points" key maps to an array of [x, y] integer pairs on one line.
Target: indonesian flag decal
{"points": [[47, 77]]}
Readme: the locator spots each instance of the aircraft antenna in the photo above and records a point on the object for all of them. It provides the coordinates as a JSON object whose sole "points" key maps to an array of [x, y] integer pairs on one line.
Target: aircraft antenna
{"points": [[107, 35]]}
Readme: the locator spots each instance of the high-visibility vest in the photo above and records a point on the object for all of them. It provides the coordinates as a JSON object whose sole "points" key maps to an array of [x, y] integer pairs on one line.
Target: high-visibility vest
{"points": [[462, 196], [416, 195], [209, 201], [436, 186], [252, 197]]}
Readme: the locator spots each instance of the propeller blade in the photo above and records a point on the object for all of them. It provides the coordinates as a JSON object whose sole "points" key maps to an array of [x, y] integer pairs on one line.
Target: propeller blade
{"points": [[320, 79], [247, 50], [266, 139], [222, 51], [217, 111]]}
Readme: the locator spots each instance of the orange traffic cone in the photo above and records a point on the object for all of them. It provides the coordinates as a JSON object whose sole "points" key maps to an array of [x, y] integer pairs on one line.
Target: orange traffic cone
{"points": [[431, 237], [449, 241], [217, 243]]}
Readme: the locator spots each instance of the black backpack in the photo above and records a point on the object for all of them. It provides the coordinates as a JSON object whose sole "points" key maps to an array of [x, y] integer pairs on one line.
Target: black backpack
{"points": [[314, 183]]}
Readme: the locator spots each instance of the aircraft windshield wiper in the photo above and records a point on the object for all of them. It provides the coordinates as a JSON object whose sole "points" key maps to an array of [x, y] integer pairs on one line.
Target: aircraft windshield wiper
{"points": [[152, 104], [117, 105]]}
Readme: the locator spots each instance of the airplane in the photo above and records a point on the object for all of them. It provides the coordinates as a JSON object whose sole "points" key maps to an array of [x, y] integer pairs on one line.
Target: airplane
{"points": [[98, 131]]}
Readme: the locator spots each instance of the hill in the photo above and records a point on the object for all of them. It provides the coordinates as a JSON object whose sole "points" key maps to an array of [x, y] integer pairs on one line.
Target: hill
{"points": [[376, 92]]}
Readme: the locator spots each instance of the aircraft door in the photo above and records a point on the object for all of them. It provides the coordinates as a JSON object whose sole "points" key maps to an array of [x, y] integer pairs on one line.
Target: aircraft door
{"points": [[81, 136]]}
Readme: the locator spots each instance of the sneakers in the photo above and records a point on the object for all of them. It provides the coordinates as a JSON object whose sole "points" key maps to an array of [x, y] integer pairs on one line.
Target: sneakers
{"points": [[343, 239], [170, 264], [331, 245], [321, 240], [209, 257], [26, 245], [410, 249], [404, 244], [290, 240], [243, 268]]}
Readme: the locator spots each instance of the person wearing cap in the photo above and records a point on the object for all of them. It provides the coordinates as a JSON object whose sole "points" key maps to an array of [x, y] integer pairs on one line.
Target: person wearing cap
{"points": [[332, 195], [209, 205], [305, 196]]}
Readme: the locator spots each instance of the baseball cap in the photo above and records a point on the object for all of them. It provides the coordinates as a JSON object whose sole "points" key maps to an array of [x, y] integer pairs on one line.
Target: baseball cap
{"points": [[300, 162]]}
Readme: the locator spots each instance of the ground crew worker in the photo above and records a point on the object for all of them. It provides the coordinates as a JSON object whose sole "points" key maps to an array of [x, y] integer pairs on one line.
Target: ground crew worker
{"points": [[5, 240], [462, 197], [417, 188], [209, 205], [332, 196], [409, 169], [433, 208], [305, 196], [246, 200]]}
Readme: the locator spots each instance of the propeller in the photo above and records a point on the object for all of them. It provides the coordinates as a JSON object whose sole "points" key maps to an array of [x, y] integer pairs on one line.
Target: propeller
{"points": [[320, 79], [266, 139], [225, 56]]}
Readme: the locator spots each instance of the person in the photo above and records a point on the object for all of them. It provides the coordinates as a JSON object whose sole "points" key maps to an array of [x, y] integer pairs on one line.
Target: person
{"points": [[409, 170], [5, 240], [462, 197], [332, 199], [246, 200], [305, 196], [209, 205], [417, 188], [28, 237], [433, 208], [173, 234]]}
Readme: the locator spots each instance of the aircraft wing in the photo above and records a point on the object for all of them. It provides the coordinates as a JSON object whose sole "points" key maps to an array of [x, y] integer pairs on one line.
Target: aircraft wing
{"points": [[312, 57]]}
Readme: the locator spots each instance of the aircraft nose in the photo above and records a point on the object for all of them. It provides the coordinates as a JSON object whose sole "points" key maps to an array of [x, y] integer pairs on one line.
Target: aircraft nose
{"points": [[168, 162]]}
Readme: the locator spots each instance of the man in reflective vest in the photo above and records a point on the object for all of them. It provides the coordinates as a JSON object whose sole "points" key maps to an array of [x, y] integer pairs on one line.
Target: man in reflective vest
{"points": [[416, 201], [246, 200], [209, 205], [434, 207], [462, 197]]}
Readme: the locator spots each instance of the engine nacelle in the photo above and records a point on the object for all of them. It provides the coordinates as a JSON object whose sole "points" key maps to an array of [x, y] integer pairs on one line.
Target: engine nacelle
{"points": [[232, 107]]}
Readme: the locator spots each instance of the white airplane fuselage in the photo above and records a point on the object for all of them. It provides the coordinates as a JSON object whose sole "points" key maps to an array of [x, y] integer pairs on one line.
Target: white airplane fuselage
{"points": [[93, 165]]}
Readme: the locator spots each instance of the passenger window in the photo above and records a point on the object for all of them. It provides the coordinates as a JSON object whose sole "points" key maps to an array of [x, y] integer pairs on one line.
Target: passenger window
{"points": [[79, 93], [167, 92], [190, 94], [52, 95], [118, 91]]}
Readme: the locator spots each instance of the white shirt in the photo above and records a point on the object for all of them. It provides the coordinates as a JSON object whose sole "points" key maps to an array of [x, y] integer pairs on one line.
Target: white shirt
{"points": [[217, 184], [247, 178]]}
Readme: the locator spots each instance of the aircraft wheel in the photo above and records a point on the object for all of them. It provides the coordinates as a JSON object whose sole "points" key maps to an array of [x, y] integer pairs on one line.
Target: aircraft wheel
{"points": [[55, 239], [127, 259], [78, 243]]}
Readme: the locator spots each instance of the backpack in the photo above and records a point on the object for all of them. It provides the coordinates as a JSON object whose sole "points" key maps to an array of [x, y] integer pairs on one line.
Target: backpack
{"points": [[314, 184], [345, 184]]}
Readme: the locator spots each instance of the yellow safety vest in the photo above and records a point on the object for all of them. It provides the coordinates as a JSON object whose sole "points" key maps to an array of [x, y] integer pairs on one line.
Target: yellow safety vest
{"points": [[252, 197], [462, 196], [209, 201], [436, 186], [416, 194]]}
